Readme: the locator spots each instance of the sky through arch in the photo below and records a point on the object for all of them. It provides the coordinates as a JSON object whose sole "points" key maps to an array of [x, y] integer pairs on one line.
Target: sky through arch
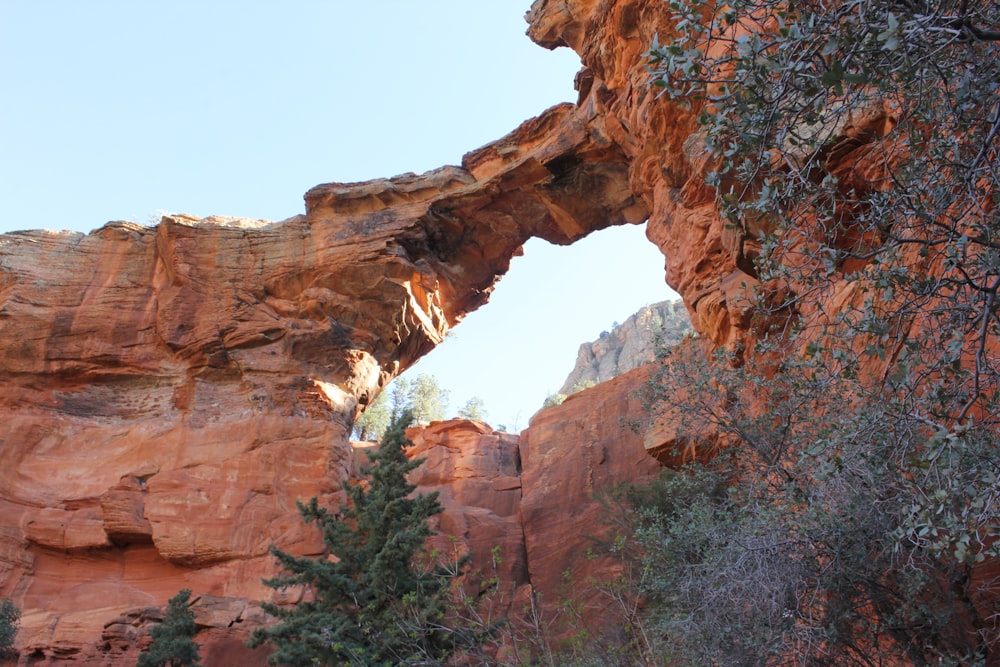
{"points": [[518, 348]]}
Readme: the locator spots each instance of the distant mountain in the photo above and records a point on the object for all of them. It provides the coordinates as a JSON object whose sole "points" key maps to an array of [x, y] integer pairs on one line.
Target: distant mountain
{"points": [[628, 345]]}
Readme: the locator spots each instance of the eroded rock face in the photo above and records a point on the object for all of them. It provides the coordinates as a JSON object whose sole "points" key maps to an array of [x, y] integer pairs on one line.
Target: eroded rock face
{"points": [[169, 392], [529, 509], [572, 454], [477, 475], [666, 160]]}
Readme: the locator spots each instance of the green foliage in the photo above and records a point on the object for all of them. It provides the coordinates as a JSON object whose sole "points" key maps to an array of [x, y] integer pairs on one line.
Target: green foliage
{"points": [[557, 399], [374, 421], [790, 96], [369, 603], [821, 533], [10, 617], [400, 401], [423, 397], [474, 408], [553, 400], [852, 148], [427, 400], [173, 645]]}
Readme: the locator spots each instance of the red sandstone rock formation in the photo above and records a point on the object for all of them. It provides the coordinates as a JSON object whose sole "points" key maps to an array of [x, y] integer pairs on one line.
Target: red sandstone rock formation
{"points": [[534, 502], [703, 256], [570, 454], [477, 474], [168, 393], [542, 483]]}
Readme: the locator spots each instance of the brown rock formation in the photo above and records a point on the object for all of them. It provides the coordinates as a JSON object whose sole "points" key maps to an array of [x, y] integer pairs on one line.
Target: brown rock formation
{"points": [[477, 474], [703, 257], [168, 393], [534, 501], [570, 454]]}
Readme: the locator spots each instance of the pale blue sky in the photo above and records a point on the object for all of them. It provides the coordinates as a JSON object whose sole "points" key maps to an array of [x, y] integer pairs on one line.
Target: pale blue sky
{"points": [[120, 110]]}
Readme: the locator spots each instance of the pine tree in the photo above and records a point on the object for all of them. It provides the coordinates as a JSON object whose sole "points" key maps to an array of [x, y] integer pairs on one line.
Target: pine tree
{"points": [[173, 645], [370, 604], [427, 400], [474, 408], [10, 617]]}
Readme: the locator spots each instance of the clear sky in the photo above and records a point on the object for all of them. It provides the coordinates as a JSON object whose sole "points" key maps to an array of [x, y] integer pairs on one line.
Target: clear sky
{"points": [[122, 110]]}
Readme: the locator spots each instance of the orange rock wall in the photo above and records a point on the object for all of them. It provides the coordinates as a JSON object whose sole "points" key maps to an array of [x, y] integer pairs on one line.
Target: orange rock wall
{"points": [[167, 393], [536, 498], [571, 454], [660, 140]]}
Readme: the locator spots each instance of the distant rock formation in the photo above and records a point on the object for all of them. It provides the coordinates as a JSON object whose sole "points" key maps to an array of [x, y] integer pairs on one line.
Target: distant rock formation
{"points": [[628, 345]]}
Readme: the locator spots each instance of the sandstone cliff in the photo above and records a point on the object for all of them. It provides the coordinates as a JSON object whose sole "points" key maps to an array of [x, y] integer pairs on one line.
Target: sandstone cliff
{"points": [[168, 393], [535, 500], [631, 344]]}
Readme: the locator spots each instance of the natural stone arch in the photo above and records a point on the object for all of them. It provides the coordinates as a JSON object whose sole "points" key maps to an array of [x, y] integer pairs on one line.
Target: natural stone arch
{"points": [[172, 391]]}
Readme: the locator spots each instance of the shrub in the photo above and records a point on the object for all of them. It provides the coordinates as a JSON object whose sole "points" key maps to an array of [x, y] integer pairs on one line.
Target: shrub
{"points": [[10, 617], [851, 147], [797, 542]]}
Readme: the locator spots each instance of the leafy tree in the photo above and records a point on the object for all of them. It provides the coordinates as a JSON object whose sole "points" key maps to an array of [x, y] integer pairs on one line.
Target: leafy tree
{"points": [[400, 401], [423, 397], [370, 602], [791, 538], [474, 408], [427, 400], [854, 142], [10, 617], [173, 645], [374, 421], [852, 149]]}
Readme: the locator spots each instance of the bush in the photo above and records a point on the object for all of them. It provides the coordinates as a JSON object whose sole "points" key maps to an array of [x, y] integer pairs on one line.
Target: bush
{"points": [[851, 149], [797, 541], [10, 617]]}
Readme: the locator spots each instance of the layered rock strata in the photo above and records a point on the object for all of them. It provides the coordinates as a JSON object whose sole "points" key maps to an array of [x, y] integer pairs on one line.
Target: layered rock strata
{"points": [[526, 508], [167, 393], [170, 392]]}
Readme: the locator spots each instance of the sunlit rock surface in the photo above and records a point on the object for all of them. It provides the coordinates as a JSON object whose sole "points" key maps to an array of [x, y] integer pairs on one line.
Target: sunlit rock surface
{"points": [[168, 393], [532, 510]]}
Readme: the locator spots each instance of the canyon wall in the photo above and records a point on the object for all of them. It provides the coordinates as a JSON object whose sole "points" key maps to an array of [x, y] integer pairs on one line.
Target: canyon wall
{"points": [[168, 393]]}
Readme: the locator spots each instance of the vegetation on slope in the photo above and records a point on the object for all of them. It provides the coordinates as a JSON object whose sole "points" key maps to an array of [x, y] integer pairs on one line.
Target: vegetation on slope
{"points": [[854, 500], [173, 640]]}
